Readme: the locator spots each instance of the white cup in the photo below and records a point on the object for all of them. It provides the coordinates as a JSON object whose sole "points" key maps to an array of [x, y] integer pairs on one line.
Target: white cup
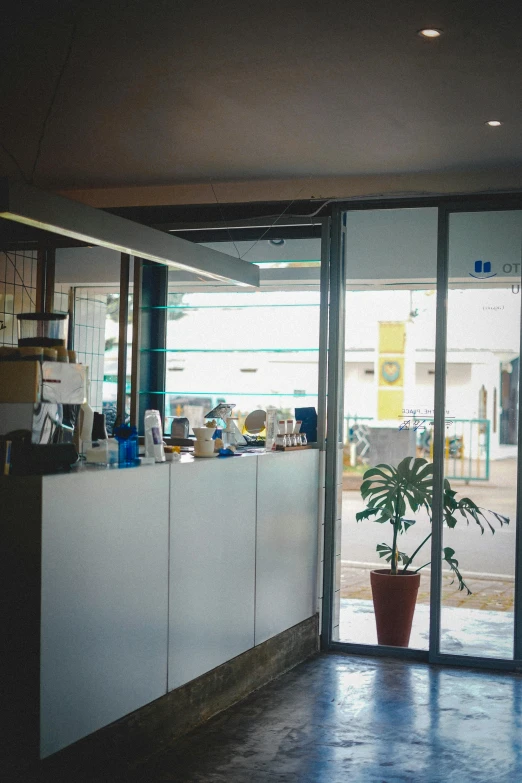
{"points": [[204, 448], [204, 433]]}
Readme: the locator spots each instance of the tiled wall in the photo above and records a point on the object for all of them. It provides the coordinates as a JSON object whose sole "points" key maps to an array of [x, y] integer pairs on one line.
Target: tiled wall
{"points": [[89, 339], [17, 291], [18, 295]]}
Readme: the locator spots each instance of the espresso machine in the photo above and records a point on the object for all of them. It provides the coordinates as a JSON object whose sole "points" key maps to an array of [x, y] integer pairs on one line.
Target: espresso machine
{"points": [[40, 394]]}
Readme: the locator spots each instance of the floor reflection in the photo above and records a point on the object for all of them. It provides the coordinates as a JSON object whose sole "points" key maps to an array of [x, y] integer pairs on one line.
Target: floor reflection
{"points": [[463, 631], [338, 718]]}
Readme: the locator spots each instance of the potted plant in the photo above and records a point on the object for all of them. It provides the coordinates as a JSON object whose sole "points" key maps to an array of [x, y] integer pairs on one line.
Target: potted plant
{"points": [[390, 492]]}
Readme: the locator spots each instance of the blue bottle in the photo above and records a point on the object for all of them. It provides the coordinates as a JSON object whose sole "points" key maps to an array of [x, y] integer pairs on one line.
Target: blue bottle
{"points": [[128, 450], [133, 448]]}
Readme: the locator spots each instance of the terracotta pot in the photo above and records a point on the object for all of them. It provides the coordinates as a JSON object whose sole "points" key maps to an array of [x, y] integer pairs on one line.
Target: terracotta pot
{"points": [[394, 599]]}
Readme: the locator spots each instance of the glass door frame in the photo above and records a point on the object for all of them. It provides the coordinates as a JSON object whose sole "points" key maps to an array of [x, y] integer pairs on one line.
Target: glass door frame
{"points": [[334, 442]]}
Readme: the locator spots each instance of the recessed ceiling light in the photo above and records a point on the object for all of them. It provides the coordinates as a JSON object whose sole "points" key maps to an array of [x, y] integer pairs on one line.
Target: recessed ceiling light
{"points": [[430, 32], [493, 123]]}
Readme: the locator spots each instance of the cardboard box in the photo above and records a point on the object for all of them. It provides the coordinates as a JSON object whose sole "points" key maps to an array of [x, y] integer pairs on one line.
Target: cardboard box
{"points": [[35, 382], [20, 382]]}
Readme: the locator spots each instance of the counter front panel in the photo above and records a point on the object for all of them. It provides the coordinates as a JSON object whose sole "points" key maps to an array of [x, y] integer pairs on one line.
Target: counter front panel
{"points": [[129, 583], [212, 565], [104, 599], [286, 549]]}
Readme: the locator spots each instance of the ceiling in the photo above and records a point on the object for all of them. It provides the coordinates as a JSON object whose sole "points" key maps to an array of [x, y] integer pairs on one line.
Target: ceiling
{"points": [[161, 91]]}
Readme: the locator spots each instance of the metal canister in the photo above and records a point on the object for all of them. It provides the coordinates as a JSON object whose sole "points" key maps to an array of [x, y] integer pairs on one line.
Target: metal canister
{"points": [[180, 427]]}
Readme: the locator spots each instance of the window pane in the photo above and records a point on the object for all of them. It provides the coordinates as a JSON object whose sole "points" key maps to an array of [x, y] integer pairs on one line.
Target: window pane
{"points": [[256, 349]]}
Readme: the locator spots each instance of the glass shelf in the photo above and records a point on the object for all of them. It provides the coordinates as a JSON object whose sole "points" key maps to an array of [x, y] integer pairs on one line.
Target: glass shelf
{"points": [[230, 394], [229, 350], [224, 307], [295, 263]]}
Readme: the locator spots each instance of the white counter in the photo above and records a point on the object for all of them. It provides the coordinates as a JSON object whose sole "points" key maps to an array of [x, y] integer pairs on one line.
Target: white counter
{"points": [[153, 576]]}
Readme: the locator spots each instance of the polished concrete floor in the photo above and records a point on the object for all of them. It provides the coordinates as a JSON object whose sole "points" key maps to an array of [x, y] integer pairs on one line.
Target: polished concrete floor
{"points": [[343, 719]]}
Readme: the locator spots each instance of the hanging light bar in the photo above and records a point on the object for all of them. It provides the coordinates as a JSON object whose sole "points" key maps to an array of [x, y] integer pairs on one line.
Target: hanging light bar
{"points": [[26, 204]]}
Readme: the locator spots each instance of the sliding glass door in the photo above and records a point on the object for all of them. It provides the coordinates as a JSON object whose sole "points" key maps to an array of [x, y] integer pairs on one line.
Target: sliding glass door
{"points": [[428, 386]]}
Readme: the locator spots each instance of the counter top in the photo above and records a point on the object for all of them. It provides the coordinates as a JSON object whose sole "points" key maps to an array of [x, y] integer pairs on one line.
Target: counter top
{"points": [[186, 459], [83, 469]]}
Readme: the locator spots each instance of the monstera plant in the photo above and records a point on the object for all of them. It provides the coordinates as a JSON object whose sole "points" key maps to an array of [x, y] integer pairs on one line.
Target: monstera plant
{"points": [[391, 494]]}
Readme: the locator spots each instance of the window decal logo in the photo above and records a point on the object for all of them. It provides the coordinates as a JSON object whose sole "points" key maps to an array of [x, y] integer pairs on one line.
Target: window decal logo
{"points": [[482, 270]]}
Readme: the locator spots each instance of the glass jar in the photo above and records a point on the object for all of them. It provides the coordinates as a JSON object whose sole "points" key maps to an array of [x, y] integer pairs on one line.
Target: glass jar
{"points": [[48, 330]]}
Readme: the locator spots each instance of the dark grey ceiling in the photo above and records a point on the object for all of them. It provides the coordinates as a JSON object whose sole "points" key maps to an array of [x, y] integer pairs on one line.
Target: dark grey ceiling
{"points": [[159, 92]]}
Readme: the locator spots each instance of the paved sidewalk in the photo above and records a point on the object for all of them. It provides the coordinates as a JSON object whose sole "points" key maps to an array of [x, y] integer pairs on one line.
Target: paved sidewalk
{"points": [[486, 594]]}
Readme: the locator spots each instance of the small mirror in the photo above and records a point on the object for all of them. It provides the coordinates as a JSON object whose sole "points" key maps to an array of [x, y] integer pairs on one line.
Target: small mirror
{"points": [[255, 422]]}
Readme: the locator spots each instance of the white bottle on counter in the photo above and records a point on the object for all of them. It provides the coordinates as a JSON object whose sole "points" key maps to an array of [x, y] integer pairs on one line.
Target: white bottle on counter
{"points": [[271, 429]]}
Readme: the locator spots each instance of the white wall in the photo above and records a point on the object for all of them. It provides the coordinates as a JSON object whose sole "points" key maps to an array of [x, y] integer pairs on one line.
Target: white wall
{"points": [[401, 245], [392, 244], [360, 390], [77, 266]]}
